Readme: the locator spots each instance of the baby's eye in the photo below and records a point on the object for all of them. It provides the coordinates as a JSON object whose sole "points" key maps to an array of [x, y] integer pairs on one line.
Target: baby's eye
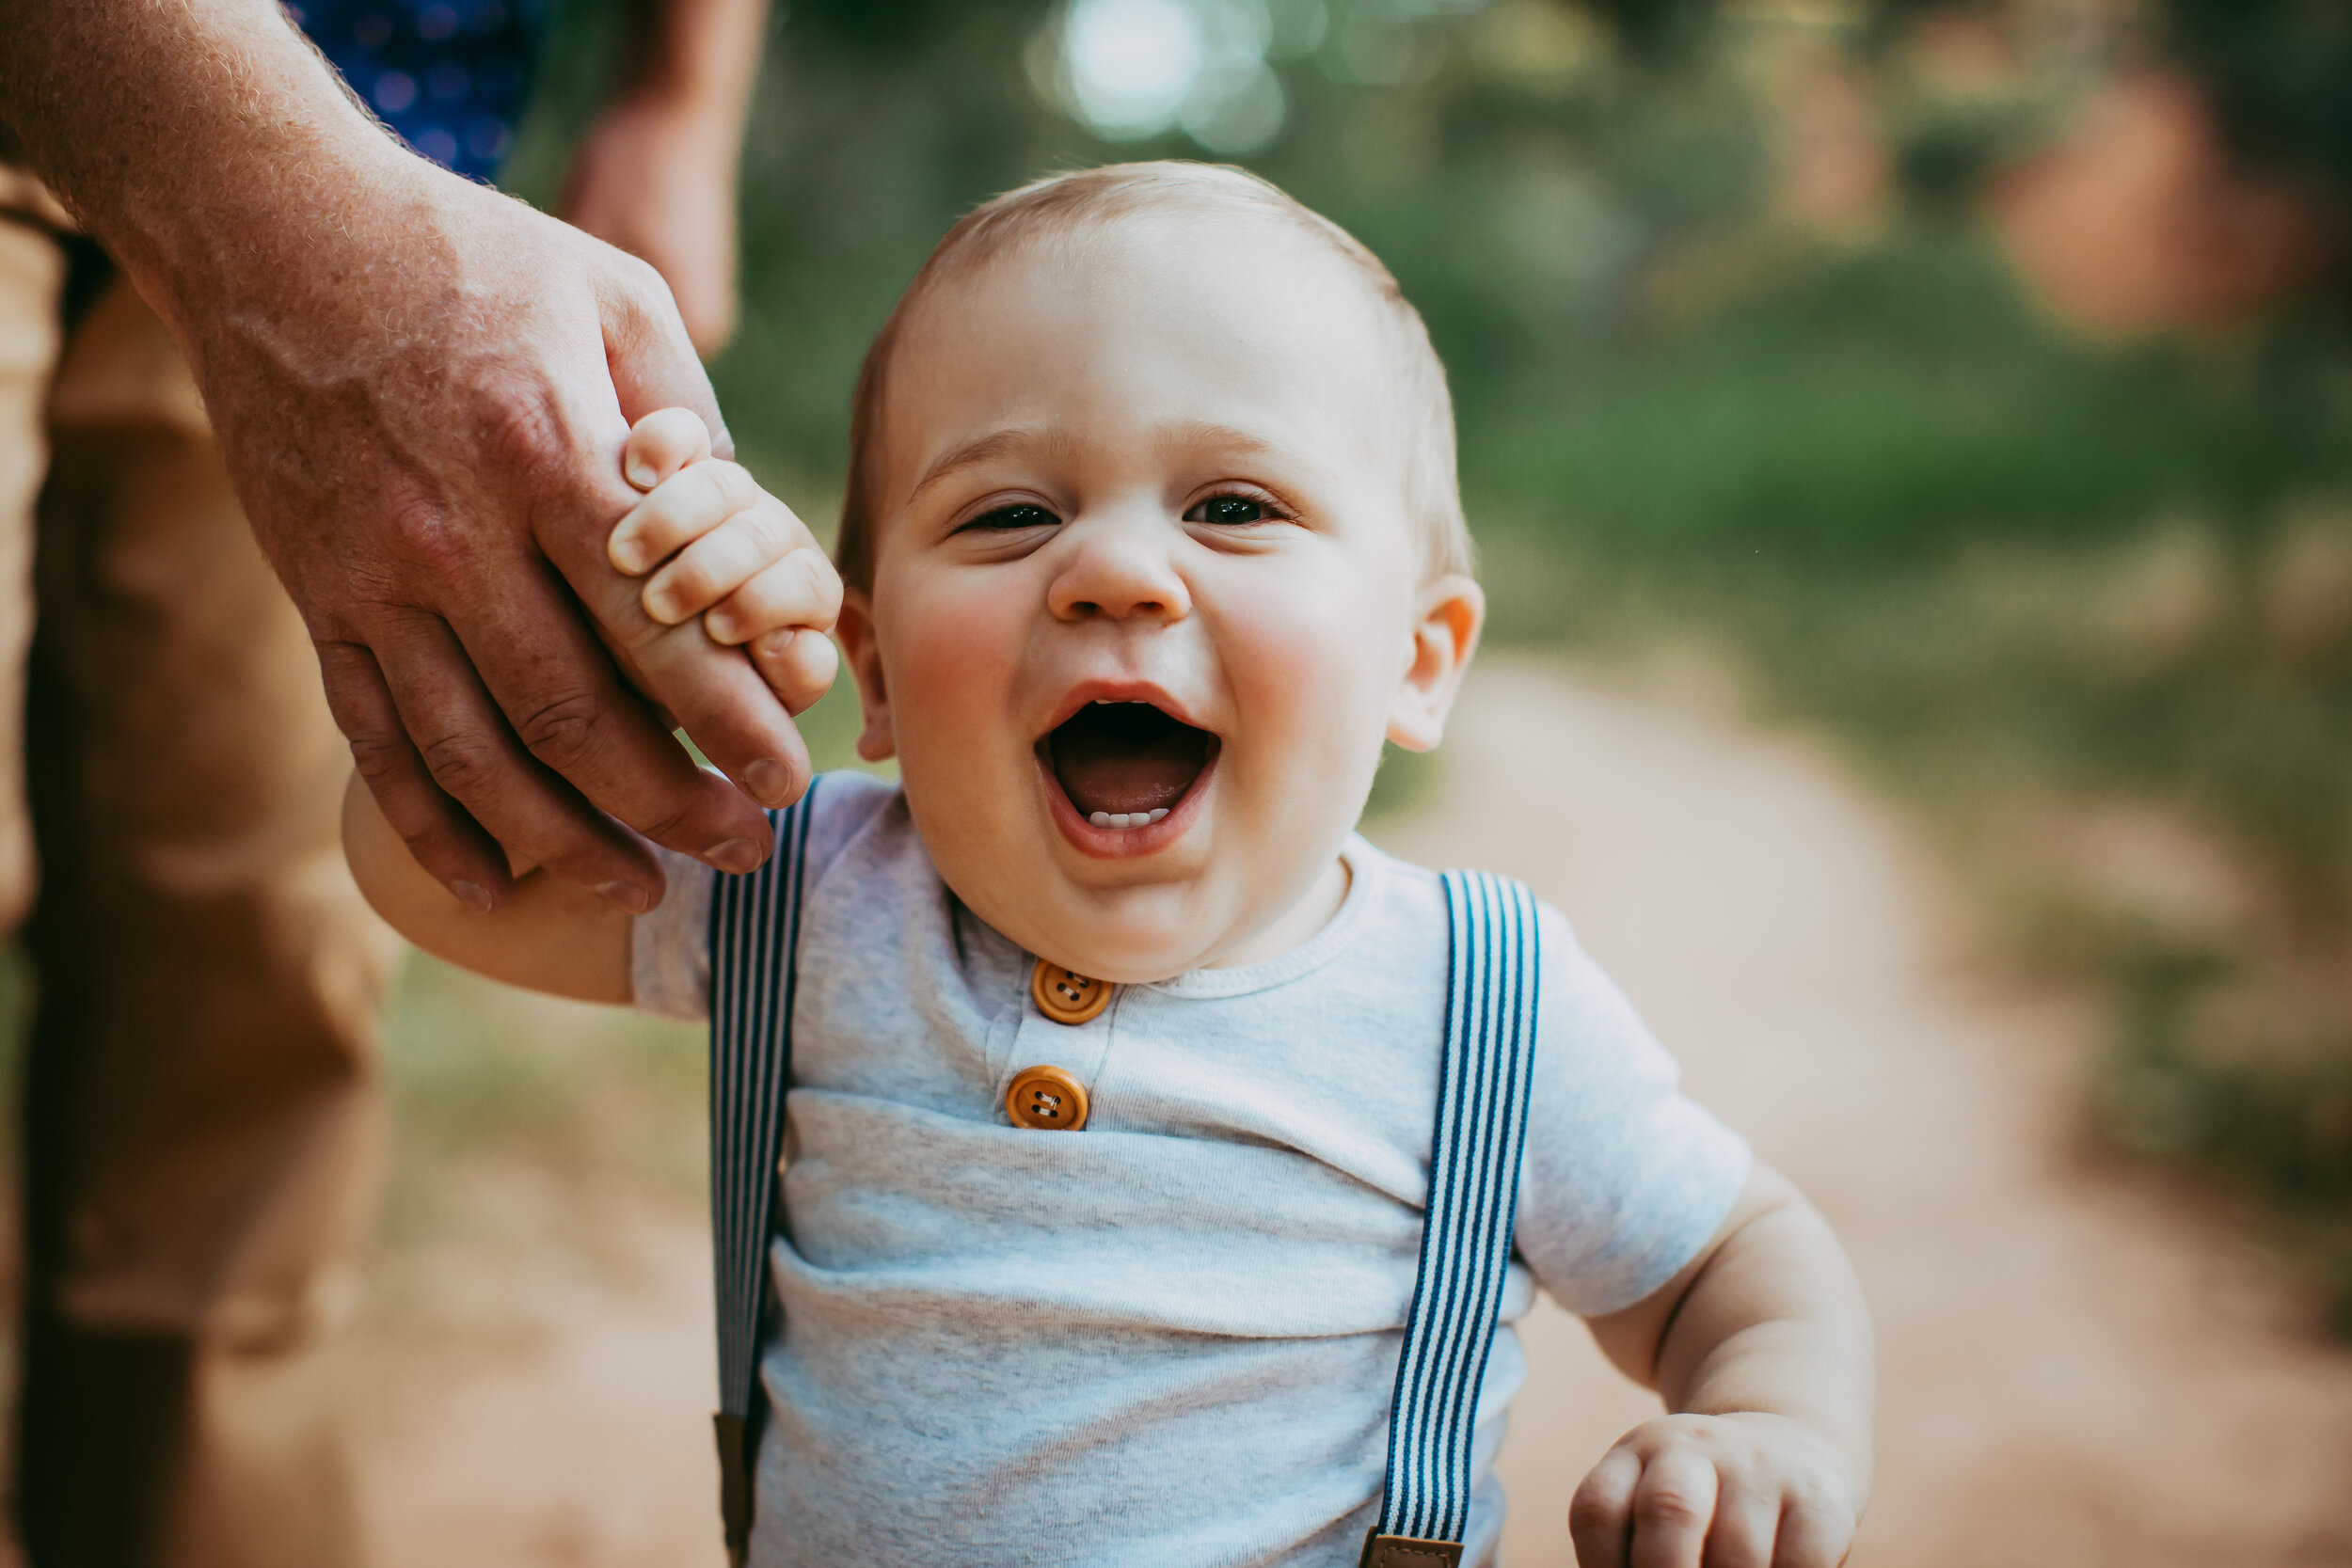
{"points": [[1008, 517], [1229, 512]]}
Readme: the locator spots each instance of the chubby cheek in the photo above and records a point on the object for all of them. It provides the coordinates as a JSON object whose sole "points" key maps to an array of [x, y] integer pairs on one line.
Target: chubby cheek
{"points": [[1312, 665], [951, 658]]}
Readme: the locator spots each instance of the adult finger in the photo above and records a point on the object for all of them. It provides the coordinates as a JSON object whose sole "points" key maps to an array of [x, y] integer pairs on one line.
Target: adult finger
{"points": [[715, 695], [440, 834], [559, 690], [1601, 1515], [652, 360], [1671, 1505], [661, 444], [476, 758], [725, 686], [802, 591], [710, 691], [683, 509], [798, 664], [1747, 1518]]}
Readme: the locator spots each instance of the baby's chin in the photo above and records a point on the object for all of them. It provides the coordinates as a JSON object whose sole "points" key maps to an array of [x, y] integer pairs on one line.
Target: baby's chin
{"points": [[1130, 936]]}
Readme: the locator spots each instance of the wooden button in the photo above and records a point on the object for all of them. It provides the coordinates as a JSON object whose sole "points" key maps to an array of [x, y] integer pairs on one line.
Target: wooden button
{"points": [[1046, 1099], [1065, 995]]}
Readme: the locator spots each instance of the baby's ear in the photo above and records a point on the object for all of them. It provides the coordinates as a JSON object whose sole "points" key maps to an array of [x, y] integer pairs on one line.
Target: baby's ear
{"points": [[1448, 616], [856, 629], [661, 443]]}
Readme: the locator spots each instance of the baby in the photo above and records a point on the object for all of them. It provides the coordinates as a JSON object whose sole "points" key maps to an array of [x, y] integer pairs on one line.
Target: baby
{"points": [[1114, 1053]]}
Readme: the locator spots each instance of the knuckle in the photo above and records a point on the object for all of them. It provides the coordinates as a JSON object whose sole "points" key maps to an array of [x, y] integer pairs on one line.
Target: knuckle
{"points": [[704, 488], [465, 765], [823, 582], [567, 732], [521, 430], [647, 291], [378, 756], [633, 290], [668, 826], [422, 534], [764, 529], [1669, 1508]]}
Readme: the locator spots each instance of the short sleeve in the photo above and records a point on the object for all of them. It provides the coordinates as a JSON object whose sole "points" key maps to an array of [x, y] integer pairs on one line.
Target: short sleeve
{"points": [[669, 955], [669, 945], [1626, 1177]]}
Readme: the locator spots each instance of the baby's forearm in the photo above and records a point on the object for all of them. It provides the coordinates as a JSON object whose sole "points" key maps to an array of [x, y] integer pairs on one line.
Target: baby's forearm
{"points": [[549, 936], [1774, 1324]]}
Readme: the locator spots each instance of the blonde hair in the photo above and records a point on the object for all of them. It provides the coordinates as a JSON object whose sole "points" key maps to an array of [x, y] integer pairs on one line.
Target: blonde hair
{"points": [[1067, 204]]}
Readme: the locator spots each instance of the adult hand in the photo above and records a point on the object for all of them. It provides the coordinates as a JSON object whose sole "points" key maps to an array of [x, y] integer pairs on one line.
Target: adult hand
{"points": [[426, 423], [422, 389]]}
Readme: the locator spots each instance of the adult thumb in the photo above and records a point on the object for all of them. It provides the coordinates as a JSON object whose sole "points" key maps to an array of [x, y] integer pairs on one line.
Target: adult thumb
{"points": [[652, 359]]}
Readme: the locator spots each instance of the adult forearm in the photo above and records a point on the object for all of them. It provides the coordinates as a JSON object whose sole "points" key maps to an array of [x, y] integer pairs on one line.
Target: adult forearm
{"points": [[697, 57], [656, 174], [184, 136]]}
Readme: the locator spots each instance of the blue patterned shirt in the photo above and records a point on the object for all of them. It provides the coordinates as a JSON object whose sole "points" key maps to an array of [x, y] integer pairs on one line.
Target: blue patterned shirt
{"points": [[452, 77]]}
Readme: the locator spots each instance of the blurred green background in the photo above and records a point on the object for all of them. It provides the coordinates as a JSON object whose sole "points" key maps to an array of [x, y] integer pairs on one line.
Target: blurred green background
{"points": [[1973, 381]]}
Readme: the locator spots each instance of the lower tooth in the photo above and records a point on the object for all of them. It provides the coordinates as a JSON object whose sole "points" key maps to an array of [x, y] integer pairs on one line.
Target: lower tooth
{"points": [[1126, 818]]}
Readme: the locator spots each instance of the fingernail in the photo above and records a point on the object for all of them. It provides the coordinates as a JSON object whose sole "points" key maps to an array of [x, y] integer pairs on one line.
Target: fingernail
{"points": [[663, 608], [473, 896], [738, 855], [641, 473], [630, 556], [770, 782], [629, 896]]}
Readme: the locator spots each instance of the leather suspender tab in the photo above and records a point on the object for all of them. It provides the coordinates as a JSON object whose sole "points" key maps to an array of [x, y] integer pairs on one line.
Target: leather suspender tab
{"points": [[735, 1487], [1399, 1551]]}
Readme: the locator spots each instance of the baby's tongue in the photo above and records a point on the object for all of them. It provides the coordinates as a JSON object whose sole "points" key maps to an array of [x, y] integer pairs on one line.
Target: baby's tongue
{"points": [[1104, 771]]}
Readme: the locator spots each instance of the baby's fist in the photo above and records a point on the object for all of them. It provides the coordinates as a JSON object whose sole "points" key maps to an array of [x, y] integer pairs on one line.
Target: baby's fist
{"points": [[1738, 1491], [719, 547]]}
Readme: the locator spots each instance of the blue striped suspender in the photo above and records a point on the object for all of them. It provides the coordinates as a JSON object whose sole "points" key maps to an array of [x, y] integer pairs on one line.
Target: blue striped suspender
{"points": [[755, 938], [1493, 968], [1494, 964]]}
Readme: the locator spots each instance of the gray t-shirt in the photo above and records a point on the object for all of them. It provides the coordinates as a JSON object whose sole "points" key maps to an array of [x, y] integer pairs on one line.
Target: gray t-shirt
{"points": [[1171, 1337]]}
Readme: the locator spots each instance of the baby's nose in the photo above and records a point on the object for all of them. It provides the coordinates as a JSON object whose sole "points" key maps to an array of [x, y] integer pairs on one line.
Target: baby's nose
{"points": [[1118, 572]]}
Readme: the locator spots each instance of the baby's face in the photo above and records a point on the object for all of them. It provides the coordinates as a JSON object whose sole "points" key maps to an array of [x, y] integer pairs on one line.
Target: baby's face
{"points": [[1145, 592]]}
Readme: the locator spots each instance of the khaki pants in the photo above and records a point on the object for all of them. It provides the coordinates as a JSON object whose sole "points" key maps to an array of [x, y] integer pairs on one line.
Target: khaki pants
{"points": [[204, 1124]]}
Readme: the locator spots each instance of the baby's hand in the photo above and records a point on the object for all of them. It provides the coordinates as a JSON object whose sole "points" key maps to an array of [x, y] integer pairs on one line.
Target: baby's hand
{"points": [[730, 552], [1740, 1491]]}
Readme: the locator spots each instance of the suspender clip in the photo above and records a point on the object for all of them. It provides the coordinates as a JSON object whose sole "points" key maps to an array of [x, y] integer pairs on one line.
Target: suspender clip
{"points": [[1404, 1551]]}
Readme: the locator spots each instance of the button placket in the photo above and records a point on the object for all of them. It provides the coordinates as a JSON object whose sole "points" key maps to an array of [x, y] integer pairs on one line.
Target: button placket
{"points": [[1060, 1061]]}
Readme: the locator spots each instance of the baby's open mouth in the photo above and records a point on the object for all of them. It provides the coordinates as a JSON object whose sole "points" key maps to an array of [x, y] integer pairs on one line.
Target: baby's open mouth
{"points": [[1125, 765]]}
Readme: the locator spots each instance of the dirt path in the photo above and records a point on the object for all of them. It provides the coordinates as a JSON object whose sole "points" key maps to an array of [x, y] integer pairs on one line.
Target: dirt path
{"points": [[2076, 1374]]}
